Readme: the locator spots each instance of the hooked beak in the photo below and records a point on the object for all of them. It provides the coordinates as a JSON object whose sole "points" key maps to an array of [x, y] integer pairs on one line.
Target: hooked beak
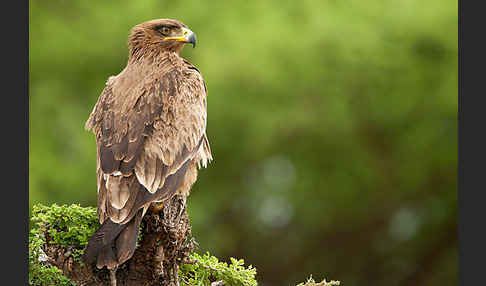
{"points": [[187, 37]]}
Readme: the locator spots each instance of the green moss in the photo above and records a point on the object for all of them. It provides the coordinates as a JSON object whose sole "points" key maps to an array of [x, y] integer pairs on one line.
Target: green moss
{"points": [[65, 225], [207, 269], [68, 226]]}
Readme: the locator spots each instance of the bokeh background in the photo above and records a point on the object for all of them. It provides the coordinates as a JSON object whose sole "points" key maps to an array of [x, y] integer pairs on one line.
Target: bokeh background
{"points": [[333, 126]]}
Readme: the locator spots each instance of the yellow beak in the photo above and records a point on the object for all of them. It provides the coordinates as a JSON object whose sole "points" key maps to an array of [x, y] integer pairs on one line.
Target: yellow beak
{"points": [[187, 36]]}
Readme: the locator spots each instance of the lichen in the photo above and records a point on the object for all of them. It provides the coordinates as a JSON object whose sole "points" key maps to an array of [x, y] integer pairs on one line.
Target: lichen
{"points": [[312, 282]]}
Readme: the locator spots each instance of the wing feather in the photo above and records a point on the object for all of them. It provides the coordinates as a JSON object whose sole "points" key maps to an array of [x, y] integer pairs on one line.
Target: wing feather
{"points": [[147, 126]]}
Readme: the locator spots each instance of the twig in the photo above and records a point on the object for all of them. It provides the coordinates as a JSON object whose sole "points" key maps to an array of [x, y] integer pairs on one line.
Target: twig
{"points": [[211, 268], [190, 261]]}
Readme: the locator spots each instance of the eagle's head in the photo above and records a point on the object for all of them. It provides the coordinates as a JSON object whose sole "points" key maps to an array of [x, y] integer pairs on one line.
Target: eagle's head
{"points": [[159, 35]]}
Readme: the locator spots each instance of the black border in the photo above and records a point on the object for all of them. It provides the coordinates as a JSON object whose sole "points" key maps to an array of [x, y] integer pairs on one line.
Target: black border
{"points": [[471, 143], [14, 118]]}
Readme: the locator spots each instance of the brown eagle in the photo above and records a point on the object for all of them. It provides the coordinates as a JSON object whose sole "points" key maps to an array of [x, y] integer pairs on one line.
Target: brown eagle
{"points": [[150, 127]]}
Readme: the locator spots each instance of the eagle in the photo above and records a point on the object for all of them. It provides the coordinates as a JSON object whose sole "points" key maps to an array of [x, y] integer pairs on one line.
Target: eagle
{"points": [[150, 129]]}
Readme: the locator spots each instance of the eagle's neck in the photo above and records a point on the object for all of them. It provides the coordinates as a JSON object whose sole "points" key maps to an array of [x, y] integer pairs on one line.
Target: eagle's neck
{"points": [[147, 66], [154, 56]]}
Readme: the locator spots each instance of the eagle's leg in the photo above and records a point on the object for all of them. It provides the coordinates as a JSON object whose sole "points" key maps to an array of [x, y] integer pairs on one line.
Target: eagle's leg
{"points": [[113, 276]]}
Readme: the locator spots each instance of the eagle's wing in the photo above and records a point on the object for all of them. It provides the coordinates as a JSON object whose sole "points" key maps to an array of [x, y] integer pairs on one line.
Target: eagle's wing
{"points": [[145, 132]]}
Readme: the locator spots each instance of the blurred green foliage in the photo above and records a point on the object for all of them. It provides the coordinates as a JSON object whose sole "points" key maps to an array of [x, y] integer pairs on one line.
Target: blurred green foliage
{"points": [[333, 126]]}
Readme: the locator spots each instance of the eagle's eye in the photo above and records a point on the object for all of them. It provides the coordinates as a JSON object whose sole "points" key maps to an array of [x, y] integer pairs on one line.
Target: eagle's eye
{"points": [[164, 31]]}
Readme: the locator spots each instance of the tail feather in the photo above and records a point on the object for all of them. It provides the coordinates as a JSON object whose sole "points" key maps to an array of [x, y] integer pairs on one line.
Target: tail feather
{"points": [[127, 240], [102, 239], [106, 257], [113, 243]]}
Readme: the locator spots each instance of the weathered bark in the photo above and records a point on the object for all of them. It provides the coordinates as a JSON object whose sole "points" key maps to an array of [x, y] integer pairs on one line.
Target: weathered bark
{"points": [[162, 249]]}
